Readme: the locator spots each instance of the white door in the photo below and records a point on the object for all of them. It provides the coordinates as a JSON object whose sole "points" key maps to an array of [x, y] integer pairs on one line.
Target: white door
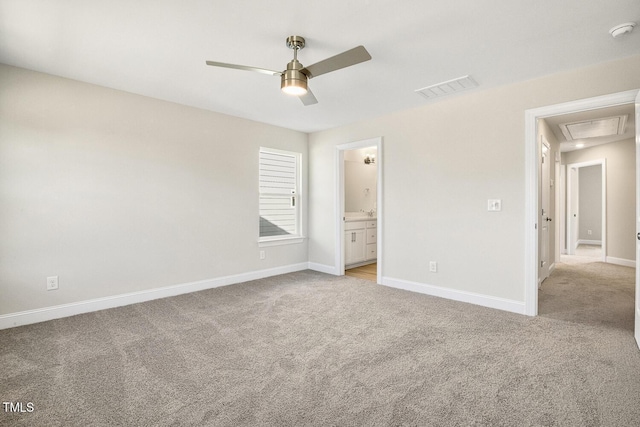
{"points": [[544, 220], [572, 225], [637, 328]]}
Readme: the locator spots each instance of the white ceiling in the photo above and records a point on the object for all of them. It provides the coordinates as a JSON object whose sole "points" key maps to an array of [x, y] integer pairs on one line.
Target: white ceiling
{"points": [[158, 48]]}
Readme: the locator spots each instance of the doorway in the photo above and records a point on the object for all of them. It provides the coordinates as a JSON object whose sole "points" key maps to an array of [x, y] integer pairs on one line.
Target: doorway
{"points": [[586, 218], [532, 182], [371, 226]]}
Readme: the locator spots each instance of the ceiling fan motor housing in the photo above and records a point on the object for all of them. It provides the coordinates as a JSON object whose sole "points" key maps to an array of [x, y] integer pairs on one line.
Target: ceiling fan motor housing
{"points": [[293, 80]]}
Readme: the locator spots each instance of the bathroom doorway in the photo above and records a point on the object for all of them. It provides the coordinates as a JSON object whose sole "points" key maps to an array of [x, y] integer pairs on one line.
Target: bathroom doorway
{"points": [[359, 209]]}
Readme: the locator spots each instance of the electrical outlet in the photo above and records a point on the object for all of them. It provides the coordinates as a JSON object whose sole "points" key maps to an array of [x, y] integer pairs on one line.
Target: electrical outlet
{"points": [[52, 283], [262, 255], [589, 232], [494, 205], [433, 266]]}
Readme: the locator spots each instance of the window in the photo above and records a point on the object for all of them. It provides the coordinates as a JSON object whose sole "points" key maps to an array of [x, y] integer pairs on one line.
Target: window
{"points": [[279, 195]]}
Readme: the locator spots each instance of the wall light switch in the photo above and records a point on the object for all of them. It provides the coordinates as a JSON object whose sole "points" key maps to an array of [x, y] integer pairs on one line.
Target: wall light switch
{"points": [[494, 205]]}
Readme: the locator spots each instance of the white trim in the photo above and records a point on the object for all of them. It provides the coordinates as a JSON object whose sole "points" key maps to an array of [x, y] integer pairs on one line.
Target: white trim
{"points": [[621, 261], [588, 242], [323, 268], [531, 180], [339, 202], [636, 328], [361, 263], [457, 295], [65, 310], [557, 190], [294, 240], [562, 215]]}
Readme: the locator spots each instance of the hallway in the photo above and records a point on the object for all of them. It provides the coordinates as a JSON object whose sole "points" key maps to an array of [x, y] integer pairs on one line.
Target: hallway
{"points": [[590, 293]]}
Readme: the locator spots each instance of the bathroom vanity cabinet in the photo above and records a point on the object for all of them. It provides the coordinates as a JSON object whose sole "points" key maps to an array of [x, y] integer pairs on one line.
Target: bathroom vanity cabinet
{"points": [[360, 241]]}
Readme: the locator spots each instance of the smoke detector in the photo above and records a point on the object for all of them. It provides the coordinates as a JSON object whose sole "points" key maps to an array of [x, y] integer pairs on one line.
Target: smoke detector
{"points": [[622, 29]]}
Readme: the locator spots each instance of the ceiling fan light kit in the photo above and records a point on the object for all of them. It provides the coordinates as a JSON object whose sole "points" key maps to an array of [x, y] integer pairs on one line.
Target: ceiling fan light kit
{"points": [[294, 79]]}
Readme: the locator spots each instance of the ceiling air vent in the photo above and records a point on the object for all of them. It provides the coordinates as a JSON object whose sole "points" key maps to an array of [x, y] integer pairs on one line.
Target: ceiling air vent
{"points": [[447, 88], [594, 128]]}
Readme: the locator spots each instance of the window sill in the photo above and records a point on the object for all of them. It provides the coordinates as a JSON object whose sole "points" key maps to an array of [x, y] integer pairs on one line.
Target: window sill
{"points": [[281, 241]]}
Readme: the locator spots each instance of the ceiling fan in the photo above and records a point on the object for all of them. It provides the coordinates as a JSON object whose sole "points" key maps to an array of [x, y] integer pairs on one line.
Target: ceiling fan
{"points": [[294, 79]]}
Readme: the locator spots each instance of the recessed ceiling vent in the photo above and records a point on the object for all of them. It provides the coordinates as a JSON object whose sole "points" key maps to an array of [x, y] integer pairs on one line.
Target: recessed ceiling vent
{"points": [[447, 88], [594, 128]]}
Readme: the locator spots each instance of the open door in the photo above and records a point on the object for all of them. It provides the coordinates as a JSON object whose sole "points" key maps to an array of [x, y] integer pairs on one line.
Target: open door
{"points": [[572, 220], [637, 327], [545, 194]]}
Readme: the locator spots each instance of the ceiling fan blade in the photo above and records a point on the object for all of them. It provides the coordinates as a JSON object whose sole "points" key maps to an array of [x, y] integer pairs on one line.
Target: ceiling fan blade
{"points": [[308, 98], [345, 59], [244, 67]]}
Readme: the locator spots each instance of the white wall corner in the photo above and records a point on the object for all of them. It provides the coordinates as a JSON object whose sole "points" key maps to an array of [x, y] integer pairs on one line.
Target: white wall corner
{"points": [[457, 295], [65, 310]]}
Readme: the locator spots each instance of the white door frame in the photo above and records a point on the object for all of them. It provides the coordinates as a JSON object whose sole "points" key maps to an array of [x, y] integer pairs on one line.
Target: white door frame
{"points": [[339, 202], [571, 239], [636, 329], [531, 180], [558, 194], [561, 209]]}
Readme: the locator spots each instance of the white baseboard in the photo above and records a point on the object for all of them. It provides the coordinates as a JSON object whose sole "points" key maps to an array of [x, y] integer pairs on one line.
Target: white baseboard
{"points": [[322, 268], [65, 310], [621, 261], [588, 242], [457, 295]]}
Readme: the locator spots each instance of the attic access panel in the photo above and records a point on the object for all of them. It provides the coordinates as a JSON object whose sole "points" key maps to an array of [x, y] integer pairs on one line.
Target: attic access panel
{"points": [[594, 128]]}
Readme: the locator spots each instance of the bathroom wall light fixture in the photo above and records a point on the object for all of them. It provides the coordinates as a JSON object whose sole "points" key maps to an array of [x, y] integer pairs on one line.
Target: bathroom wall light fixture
{"points": [[369, 159]]}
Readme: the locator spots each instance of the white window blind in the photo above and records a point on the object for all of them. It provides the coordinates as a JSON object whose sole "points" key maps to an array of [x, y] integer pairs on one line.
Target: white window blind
{"points": [[278, 193]]}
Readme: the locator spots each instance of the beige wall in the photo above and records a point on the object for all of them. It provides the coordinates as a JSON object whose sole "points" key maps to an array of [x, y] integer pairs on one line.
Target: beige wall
{"points": [[621, 193], [117, 193], [442, 161], [590, 203], [360, 184]]}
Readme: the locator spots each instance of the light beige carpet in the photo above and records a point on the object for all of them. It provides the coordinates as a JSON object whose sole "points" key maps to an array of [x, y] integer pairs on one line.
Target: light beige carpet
{"points": [[312, 349]]}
